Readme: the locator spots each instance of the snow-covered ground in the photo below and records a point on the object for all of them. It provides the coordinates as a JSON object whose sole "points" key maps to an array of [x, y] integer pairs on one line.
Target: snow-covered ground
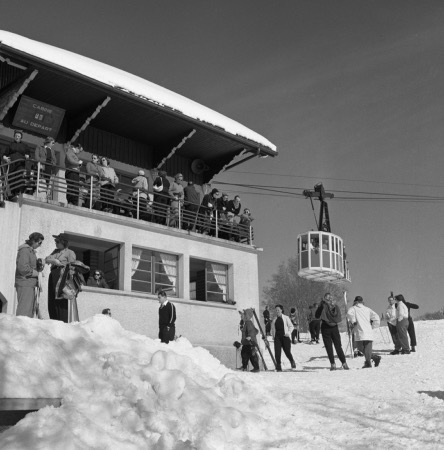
{"points": [[125, 391]]}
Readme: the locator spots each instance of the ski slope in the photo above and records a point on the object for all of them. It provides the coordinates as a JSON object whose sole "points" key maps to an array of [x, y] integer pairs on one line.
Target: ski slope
{"points": [[124, 391]]}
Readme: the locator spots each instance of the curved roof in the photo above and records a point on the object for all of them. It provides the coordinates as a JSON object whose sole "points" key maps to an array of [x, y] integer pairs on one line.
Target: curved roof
{"points": [[132, 84]]}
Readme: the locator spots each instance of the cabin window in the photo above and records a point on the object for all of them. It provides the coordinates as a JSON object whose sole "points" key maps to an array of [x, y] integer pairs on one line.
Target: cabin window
{"points": [[152, 271], [100, 255], [208, 281]]}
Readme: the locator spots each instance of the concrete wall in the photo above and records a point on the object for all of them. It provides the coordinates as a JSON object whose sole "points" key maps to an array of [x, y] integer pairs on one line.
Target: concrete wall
{"points": [[9, 242], [212, 325]]}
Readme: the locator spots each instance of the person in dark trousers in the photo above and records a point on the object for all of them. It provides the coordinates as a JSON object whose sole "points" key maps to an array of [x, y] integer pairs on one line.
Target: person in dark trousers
{"points": [[314, 324], [411, 328], [294, 321], [363, 320], [330, 316], [249, 342], [59, 258], [402, 325], [267, 320], [281, 329], [167, 318], [26, 275]]}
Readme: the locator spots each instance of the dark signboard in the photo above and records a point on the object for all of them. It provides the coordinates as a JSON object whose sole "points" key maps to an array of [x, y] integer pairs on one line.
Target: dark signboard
{"points": [[39, 117]]}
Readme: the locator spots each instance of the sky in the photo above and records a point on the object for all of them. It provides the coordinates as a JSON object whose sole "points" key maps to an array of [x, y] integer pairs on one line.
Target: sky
{"points": [[350, 92]]}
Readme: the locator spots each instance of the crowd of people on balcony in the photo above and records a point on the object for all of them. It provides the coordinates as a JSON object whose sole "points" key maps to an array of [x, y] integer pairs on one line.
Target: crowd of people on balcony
{"points": [[95, 185]]}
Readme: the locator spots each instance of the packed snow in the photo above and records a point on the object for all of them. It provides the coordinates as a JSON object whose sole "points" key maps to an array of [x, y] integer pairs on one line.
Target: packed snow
{"points": [[121, 390], [129, 83]]}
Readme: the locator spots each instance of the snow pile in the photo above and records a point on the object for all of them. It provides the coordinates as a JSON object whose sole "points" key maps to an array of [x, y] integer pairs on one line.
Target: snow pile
{"points": [[120, 390], [132, 84]]}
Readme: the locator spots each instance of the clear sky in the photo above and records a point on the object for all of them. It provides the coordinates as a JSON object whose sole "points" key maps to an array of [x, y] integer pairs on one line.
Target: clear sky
{"points": [[351, 92]]}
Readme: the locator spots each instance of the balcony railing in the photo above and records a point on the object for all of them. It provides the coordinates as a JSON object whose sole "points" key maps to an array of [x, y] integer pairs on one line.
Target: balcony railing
{"points": [[43, 181]]}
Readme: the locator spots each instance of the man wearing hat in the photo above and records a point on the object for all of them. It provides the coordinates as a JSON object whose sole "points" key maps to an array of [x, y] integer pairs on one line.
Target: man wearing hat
{"points": [[59, 258], [363, 320], [161, 187]]}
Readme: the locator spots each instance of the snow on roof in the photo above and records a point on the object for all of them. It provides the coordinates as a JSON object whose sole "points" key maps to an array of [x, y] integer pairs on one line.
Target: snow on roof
{"points": [[132, 84]]}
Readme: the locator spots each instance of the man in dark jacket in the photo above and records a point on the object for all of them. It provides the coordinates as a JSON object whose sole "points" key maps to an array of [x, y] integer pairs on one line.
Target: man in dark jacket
{"points": [[207, 210], [192, 202], [26, 275], [411, 328], [167, 318], [267, 321]]}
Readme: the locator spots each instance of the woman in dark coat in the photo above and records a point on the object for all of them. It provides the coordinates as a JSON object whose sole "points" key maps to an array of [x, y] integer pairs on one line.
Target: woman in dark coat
{"points": [[58, 259]]}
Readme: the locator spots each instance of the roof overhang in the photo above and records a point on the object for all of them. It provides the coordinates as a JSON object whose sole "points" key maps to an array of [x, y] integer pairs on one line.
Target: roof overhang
{"points": [[138, 108]]}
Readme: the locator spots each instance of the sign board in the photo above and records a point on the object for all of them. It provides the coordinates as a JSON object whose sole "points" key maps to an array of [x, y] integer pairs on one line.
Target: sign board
{"points": [[39, 117]]}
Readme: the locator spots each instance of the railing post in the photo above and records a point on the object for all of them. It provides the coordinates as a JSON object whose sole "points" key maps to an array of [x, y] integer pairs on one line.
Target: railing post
{"points": [[217, 228], [251, 235], [180, 214], [91, 192], [137, 215], [38, 180]]}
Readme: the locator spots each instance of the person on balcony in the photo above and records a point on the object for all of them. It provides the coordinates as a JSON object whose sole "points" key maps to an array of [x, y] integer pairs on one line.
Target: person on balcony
{"points": [[45, 155], [72, 173], [108, 181], [233, 208], [93, 175], [177, 196], [244, 226], [207, 211], [21, 166], [192, 202], [26, 275], [161, 187], [58, 259], [98, 280]]}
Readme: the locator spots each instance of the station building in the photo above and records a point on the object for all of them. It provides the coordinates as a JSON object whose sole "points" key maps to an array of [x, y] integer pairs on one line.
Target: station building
{"points": [[47, 91]]}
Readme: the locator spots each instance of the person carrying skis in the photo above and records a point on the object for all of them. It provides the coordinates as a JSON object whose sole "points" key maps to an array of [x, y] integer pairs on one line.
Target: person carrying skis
{"points": [[363, 320], [249, 342]]}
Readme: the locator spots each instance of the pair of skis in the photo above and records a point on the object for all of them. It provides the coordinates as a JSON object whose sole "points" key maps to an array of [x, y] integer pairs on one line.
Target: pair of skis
{"points": [[267, 344]]}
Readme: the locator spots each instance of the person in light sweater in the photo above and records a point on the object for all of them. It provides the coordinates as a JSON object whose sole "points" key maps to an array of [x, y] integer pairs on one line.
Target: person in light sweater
{"points": [[390, 316], [402, 325]]}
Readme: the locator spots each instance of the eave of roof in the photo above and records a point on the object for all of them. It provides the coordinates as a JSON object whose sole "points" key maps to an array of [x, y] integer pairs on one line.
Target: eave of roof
{"points": [[133, 86]]}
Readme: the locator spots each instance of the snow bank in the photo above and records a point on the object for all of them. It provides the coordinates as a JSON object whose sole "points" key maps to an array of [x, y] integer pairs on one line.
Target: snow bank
{"points": [[121, 390], [129, 83]]}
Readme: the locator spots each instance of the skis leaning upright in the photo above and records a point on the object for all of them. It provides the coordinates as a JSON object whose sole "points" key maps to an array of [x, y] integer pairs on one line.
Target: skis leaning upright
{"points": [[264, 337]]}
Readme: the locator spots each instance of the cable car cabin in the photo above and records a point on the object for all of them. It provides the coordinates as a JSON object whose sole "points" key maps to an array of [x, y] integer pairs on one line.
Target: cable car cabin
{"points": [[321, 257]]}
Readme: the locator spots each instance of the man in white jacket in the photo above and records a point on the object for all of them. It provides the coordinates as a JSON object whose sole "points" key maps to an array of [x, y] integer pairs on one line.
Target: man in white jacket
{"points": [[363, 320], [402, 325], [390, 316]]}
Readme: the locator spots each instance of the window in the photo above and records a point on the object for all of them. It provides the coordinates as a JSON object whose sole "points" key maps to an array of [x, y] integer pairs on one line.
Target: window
{"points": [[208, 281], [152, 271], [98, 255]]}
